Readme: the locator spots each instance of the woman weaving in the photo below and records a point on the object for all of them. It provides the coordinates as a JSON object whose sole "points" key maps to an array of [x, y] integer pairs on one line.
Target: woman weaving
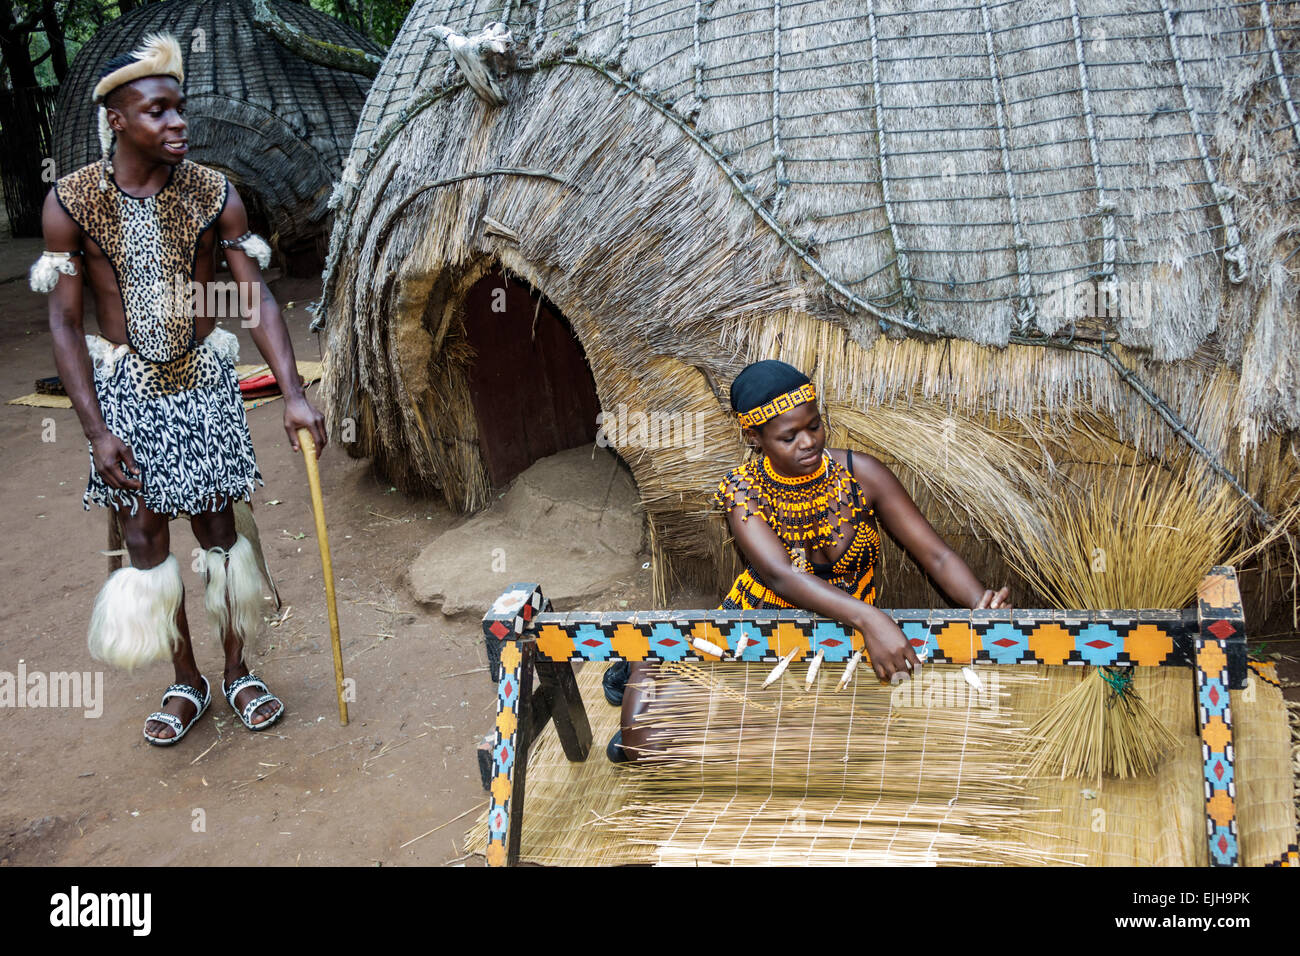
{"points": [[804, 517]]}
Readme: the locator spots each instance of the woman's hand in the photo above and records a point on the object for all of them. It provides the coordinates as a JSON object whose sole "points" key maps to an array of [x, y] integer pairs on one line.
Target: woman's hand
{"points": [[110, 453], [889, 650], [1001, 600]]}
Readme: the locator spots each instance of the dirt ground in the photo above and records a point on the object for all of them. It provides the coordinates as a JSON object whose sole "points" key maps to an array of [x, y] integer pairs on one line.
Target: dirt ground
{"points": [[79, 790]]}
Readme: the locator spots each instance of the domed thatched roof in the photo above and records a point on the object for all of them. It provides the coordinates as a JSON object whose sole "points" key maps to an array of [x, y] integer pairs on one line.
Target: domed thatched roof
{"points": [[695, 184], [277, 124]]}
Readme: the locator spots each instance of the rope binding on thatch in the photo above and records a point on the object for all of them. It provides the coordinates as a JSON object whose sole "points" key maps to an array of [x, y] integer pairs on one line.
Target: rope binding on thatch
{"points": [[1234, 254]]}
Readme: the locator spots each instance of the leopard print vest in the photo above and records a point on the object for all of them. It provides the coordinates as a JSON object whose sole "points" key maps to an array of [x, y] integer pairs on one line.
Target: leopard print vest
{"points": [[152, 244]]}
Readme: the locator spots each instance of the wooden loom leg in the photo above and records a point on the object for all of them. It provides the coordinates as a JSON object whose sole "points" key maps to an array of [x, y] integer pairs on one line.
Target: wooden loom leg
{"points": [[566, 708], [1220, 652], [514, 730]]}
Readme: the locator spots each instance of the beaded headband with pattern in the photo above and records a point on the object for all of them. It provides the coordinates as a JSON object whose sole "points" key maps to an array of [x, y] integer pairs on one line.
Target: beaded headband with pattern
{"points": [[778, 406]]}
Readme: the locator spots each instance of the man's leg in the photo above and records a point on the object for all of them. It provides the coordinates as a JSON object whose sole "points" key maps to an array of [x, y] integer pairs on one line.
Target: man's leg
{"points": [[148, 541], [234, 597]]}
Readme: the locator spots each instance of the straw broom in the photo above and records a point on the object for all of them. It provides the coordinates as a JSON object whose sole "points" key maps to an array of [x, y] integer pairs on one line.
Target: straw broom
{"points": [[1143, 541], [1103, 726]]}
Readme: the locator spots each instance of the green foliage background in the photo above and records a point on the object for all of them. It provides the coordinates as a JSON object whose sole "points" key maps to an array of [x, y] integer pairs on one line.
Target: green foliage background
{"points": [[379, 19]]}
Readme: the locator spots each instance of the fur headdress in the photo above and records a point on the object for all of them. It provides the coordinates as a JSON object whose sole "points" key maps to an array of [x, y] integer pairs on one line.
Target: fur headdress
{"points": [[158, 55]]}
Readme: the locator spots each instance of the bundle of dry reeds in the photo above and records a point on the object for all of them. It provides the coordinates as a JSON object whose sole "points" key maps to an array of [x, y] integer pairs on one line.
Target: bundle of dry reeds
{"points": [[1103, 726], [1142, 535]]}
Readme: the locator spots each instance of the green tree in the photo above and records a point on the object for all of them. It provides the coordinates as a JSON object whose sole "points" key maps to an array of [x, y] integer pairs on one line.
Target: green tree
{"points": [[378, 19]]}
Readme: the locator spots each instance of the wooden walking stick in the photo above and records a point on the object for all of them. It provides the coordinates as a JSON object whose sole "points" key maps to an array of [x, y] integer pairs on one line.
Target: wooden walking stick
{"points": [[308, 446]]}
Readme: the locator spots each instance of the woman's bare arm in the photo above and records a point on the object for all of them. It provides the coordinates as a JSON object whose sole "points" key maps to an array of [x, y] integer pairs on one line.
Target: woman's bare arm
{"points": [[902, 519], [886, 646]]}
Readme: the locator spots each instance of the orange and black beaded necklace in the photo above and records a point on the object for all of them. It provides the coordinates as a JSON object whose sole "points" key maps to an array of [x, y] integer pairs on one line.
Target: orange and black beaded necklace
{"points": [[806, 511]]}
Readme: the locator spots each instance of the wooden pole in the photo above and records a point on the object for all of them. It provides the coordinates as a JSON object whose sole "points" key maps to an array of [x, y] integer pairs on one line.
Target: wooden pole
{"points": [[308, 446]]}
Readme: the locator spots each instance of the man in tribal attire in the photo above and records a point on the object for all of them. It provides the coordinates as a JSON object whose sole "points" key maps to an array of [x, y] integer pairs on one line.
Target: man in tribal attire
{"points": [[155, 390]]}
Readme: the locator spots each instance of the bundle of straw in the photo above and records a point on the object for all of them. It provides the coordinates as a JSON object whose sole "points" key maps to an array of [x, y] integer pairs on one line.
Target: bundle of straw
{"points": [[1103, 726]]}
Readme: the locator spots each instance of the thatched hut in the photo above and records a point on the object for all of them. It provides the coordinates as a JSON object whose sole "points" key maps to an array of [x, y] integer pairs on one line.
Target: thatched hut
{"points": [[277, 125], [1037, 257]]}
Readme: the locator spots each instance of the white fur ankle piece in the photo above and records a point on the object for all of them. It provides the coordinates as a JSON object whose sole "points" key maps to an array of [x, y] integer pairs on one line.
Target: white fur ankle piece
{"points": [[134, 620], [233, 584]]}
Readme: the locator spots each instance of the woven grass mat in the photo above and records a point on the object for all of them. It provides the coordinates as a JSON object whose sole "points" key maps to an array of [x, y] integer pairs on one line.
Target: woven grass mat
{"points": [[595, 813]]}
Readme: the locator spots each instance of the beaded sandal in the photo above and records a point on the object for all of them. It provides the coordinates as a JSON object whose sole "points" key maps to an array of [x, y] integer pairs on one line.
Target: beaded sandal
{"points": [[179, 728], [248, 680]]}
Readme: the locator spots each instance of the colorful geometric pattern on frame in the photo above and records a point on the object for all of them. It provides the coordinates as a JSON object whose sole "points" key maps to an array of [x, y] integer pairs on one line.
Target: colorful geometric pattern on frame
{"points": [[504, 744], [522, 634], [1096, 638], [1220, 613]]}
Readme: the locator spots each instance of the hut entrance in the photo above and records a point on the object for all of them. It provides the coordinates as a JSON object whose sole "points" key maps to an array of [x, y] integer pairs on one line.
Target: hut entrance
{"points": [[531, 387]]}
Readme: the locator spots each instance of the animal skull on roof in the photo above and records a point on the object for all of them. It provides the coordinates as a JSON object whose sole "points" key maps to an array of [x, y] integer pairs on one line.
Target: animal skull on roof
{"points": [[484, 59]]}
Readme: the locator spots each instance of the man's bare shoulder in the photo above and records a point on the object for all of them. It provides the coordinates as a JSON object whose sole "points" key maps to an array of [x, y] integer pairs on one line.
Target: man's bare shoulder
{"points": [[62, 232]]}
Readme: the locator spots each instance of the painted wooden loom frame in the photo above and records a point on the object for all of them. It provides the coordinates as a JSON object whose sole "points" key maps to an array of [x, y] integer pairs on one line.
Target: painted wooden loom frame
{"points": [[524, 637]]}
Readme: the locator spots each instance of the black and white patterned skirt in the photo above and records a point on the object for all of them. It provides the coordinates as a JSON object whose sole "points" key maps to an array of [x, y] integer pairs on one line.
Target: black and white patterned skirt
{"points": [[184, 422]]}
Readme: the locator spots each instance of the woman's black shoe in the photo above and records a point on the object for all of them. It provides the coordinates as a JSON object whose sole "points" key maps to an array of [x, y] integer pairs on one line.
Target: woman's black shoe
{"points": [[614, 749], [615, 681]]}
